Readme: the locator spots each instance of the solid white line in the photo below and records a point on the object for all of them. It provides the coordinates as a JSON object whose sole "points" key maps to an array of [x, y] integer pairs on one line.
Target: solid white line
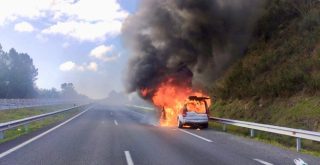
{"points": [[263, 162], [128, 158], [39, 136], [200, 137], [115, 122]]}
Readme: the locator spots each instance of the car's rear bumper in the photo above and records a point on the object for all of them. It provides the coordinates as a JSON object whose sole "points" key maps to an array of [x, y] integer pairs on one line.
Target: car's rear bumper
{"points": [[196, 121]]}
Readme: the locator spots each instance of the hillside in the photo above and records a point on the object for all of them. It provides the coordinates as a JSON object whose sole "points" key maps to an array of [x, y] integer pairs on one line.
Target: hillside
{"points": [[278, 79]]}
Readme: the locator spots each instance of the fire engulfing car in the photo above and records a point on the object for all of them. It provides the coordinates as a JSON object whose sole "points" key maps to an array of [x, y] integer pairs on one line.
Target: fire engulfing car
{"points": [[194, 113]]}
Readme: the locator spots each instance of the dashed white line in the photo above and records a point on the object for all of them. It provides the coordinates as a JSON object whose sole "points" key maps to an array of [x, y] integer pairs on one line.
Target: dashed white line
{"points": [[39, 136], [200, 137], [128, 158], [263, 162], [299, 161], [115, 122]]}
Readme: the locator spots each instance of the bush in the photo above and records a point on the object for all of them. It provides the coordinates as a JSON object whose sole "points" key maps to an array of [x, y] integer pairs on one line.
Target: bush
{"points": [[310, 21]]}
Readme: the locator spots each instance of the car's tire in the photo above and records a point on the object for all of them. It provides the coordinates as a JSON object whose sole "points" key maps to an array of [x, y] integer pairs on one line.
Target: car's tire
{"points": [[180, 125], [205, 125]]}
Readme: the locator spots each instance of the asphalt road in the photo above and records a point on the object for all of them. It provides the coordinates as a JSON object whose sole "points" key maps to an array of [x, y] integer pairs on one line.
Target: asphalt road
{"points": [[118, 135]]}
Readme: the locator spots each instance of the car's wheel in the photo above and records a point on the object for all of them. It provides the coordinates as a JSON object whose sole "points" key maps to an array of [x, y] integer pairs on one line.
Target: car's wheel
{"points": [[205, 125], [180, 125]]}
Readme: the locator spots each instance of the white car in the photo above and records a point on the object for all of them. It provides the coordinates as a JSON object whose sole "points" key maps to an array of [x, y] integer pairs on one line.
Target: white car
{"points": [[194, 113]]}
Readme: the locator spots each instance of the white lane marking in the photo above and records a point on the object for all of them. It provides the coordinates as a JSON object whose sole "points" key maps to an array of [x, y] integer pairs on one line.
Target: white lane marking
{"points": [[200, 137], [128, 158], [115, 122], [39, 136], [299, 161], [263, 162]]}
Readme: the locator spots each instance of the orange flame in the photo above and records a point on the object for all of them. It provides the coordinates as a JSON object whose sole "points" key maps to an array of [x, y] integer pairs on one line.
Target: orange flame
{"points": [[171, 98]]}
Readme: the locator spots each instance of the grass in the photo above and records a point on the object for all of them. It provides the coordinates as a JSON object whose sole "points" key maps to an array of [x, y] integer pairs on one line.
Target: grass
{"points": [[15, 114], [299, 111], [37, 125]]}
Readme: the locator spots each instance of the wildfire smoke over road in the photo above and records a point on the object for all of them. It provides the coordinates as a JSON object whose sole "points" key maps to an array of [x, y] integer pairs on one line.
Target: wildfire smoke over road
{"points": [[185, 45]]}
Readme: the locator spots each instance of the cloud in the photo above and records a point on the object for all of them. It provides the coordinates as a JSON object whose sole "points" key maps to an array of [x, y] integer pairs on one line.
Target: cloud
{"points": [[67, 66], [87, 20], [104, 53], [83, 20], [92, 66], [23, 27], [85, 31], [71, 66], [11, 10]]}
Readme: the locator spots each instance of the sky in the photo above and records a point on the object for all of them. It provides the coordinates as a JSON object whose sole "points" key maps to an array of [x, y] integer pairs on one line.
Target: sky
{"points": [[76, 41]]}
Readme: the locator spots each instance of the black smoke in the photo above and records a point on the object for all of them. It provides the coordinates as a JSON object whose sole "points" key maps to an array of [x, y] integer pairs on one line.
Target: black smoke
{"points": [[191, 40]]}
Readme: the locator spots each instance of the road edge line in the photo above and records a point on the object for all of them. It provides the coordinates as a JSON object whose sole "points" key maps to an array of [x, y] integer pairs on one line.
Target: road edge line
{"points": [[3, 154], [263, 162]]}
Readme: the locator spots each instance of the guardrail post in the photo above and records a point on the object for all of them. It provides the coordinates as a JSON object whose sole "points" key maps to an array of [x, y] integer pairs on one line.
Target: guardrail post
{"points": [[224, 127], [298, 140], [1, 135], [252, 133]]}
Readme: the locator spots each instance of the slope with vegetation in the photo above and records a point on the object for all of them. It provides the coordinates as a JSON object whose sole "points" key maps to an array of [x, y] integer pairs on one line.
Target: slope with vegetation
{"points": [[278, 79]]}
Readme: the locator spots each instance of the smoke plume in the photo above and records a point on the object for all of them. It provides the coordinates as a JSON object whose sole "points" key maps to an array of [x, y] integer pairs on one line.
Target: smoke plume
{"points": [[193, 41]]}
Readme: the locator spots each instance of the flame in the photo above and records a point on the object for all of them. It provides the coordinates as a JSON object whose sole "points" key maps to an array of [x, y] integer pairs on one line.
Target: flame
{"points": [[171, 98], [144, 92]]}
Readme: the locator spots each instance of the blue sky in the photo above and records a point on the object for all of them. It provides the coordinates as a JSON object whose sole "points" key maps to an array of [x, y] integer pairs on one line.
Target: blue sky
{"points": [[76, 41]]}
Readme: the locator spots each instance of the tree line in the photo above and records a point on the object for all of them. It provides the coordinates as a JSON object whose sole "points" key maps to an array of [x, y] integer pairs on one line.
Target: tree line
{"points": [[18, 75]]}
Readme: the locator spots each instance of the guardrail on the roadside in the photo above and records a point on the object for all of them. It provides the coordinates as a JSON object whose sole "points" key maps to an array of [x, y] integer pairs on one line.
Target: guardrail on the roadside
{"points": [[136, 106], [7, 104], [297, 133], [25, 121]]}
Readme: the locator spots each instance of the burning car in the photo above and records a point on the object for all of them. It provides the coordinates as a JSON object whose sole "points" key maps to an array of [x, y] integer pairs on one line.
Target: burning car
{"points": [[178, 102], [194, 112]]}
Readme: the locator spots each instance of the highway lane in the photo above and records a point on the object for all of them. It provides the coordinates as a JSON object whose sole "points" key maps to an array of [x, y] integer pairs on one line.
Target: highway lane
{"points": [[117, 135]]}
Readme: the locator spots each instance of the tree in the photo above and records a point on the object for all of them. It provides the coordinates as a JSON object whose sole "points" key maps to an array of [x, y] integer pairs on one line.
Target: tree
{"points": [[68, 90], [48, 93], [3, 73], [17, 75]]}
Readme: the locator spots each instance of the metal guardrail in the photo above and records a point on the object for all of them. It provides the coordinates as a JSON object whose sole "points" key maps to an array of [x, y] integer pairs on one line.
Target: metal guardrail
{"points": [[297, 133], [136, 106], [25, 121], [7, 104]]}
